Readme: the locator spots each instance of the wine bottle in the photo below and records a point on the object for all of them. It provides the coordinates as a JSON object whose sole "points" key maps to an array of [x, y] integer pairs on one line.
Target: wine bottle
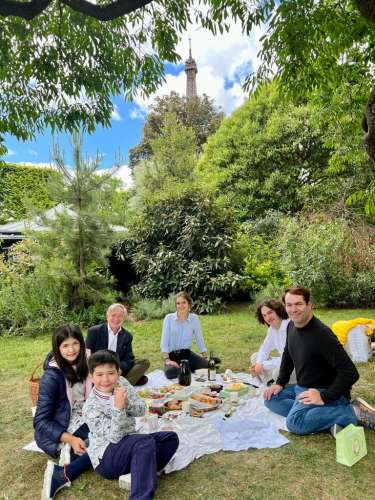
{"points": [[184, 376], [211, 368]]}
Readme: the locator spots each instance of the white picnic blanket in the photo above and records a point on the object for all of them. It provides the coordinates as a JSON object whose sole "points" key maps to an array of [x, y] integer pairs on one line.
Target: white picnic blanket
{"points": [[252, 426]]}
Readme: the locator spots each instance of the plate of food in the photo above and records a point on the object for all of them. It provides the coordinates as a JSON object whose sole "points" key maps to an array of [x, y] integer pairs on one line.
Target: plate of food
{"points": [[150, 394], [203, 402], [173, 404], [171, 389], [235, 387]]}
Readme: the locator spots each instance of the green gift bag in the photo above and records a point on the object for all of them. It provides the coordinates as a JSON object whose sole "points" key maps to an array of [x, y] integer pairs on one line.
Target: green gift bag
{"points": [[350, 445]]}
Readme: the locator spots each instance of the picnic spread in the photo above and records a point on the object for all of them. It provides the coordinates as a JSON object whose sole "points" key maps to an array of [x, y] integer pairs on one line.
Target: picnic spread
{"points": [[206, 420]]}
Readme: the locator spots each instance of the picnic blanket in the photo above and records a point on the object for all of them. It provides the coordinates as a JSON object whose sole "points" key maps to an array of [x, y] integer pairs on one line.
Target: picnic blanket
{"points": [[252, 426]]}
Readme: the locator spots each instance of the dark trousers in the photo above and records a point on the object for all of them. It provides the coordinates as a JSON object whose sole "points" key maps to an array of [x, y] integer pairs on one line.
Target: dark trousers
{"points": [[78, 463], [142, 455], [195, 362]]}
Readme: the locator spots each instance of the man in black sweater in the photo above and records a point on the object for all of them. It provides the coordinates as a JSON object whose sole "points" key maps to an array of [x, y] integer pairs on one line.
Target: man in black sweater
{"points": [[325, 373]]}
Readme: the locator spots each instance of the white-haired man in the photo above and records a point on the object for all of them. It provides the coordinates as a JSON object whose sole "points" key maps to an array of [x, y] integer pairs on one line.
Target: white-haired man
{"points": [[111, 335]]}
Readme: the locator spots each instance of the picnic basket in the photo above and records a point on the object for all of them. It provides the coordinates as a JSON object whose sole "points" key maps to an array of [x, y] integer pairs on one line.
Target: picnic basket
{"points": [[34, 385]]}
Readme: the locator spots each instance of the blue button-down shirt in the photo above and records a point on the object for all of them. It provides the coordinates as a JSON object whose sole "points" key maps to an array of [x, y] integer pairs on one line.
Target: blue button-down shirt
{"points": [[178, 334]]}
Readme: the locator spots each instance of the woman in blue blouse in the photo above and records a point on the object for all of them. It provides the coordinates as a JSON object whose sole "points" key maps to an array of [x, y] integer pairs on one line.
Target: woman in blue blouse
{"points": [[179, 328]]}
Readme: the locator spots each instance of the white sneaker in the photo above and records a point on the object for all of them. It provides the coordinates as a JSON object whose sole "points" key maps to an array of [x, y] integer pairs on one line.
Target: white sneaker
{"points": [[53, 481], [124, 482]]}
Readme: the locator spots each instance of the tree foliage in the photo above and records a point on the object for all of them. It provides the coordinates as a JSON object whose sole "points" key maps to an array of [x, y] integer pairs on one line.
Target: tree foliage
{"points": [[21, 188], [333, 257], [78, 240], [61, 67], [173, 161], [269, 154], [198, 113], [181, 241]]}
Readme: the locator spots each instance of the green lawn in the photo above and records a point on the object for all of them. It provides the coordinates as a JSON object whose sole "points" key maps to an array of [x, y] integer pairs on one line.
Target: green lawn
{"points": [[304, 468]]}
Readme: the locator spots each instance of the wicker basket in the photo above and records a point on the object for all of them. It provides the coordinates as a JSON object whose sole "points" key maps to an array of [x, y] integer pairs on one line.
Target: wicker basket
{"points": [[34, 386]]}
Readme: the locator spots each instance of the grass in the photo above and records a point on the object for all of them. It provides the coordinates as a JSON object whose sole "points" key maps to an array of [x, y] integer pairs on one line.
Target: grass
{"points": [[304, 468]]}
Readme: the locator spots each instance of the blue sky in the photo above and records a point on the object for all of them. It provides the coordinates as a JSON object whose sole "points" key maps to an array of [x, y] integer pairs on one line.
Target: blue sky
{"points": [[223, 62]]}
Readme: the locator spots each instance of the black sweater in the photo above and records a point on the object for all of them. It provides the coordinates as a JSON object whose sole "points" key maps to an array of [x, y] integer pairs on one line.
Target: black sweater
{"points": [[319, 359]]}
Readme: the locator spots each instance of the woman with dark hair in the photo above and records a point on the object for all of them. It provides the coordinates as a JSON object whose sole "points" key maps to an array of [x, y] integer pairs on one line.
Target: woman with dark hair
{"points": [[272, 313], [179, 328], [58, 421]]}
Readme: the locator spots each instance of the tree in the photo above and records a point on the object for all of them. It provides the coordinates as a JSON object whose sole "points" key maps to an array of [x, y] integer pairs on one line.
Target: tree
{"points": [[269, 154], [78, 240], [182, 241], [172, 163], [198, 112], [318, 43], [62, 61]]}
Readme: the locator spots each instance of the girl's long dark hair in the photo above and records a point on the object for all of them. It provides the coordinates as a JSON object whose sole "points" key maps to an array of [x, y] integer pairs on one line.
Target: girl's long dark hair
{"points": [[81, 371]]}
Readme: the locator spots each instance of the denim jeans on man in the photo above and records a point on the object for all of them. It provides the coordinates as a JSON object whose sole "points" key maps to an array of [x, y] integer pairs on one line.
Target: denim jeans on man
{"points": [[305, 419]]}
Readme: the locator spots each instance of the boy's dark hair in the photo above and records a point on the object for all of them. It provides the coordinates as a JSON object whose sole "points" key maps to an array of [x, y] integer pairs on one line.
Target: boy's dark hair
{"points": [[80, 371], [273, 304], [298, 290], [103, 357]]}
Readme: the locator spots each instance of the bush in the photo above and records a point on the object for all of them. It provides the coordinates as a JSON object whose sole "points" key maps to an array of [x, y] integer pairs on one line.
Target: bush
{"points": [[147, 309], [182, 241], [332, 257], [32, 298], [22, 186], [271, 291]]}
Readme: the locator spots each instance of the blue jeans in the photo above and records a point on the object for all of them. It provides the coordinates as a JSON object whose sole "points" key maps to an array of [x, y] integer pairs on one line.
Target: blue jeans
{"points": [[306, 419]]}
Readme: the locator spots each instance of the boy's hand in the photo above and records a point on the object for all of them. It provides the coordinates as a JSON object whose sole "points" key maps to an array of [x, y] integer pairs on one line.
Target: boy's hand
{"points": [[121, 398]]}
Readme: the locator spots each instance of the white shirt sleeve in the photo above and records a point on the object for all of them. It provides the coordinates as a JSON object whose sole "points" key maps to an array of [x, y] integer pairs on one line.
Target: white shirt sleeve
{"points": [[165, 335], [198, 335], [267, 346]]}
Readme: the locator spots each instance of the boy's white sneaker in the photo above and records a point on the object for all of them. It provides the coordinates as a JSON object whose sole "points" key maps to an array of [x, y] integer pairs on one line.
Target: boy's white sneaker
{"points": [[54, 481]]}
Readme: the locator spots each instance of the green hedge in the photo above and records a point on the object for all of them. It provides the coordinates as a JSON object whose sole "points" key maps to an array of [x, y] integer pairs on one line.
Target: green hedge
{"points": [[20, 187]]}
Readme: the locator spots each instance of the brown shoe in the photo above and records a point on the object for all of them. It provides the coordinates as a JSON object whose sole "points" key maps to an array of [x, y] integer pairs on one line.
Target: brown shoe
{"points": [[142, 381]]}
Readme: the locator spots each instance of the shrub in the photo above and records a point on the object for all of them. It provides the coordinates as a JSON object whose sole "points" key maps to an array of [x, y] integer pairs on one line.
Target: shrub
{"points": [[21, 186], [182, 241], [147, 309], [332, 257]]}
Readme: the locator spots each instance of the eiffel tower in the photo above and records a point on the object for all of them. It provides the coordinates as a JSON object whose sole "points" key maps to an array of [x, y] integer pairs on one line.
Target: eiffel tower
{"points": [[191, 71]]}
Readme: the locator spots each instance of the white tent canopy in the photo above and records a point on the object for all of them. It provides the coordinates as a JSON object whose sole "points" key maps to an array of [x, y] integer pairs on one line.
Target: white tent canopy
{"points": [[15, 230]]}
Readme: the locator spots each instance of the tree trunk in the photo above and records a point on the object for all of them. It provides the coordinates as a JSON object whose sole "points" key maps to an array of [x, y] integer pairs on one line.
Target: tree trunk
{"points": [[369, 126], [367, 9]]}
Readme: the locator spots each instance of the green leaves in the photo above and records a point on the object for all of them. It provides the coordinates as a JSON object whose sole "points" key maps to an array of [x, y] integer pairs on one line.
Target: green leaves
{"points": [[182, 240]]}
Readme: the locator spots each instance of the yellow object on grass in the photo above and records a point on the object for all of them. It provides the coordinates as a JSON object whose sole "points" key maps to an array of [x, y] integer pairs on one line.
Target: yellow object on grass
{"points": [[342, 328]]}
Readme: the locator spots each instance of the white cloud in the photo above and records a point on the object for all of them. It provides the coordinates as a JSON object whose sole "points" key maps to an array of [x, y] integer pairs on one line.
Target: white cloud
{"points": [[124, 173], [115, 115], [32, 152], [223, 60], [10, 152]]}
